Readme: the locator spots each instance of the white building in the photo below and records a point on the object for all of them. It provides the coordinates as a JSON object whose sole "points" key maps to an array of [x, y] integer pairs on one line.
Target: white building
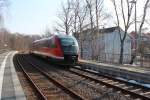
{"points": [[105, 45]]}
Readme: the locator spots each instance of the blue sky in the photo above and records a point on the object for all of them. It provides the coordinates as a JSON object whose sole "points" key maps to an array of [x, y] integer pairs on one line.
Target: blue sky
{"points": [[34, 16], [31, 16]]}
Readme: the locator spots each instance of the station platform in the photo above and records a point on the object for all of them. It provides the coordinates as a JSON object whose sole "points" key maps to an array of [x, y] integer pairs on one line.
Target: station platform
{"points": [[10, 87], [129, 72]]}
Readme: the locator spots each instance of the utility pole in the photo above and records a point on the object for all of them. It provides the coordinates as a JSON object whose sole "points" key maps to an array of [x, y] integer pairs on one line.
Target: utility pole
{"points": [[135, 51], [134, 1]]}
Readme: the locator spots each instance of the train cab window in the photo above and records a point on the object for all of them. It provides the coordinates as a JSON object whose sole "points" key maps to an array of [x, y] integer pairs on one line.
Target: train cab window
{"points": [[69, 45], [67, 41]]}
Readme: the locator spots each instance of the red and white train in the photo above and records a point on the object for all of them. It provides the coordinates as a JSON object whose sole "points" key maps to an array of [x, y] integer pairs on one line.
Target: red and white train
{"points": [[61, 49]]}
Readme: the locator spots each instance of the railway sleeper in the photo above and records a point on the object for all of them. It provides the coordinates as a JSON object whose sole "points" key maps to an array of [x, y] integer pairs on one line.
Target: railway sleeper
{"points": [[116, 87]]}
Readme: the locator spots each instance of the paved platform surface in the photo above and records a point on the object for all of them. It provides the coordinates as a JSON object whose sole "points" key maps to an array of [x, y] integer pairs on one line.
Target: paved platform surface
{"points": [[144, 70], [10, 87], [131, 72]]}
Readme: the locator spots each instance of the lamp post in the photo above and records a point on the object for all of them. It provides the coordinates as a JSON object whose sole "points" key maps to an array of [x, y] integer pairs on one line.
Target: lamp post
{"points": [[134, 1], [135, 52]]}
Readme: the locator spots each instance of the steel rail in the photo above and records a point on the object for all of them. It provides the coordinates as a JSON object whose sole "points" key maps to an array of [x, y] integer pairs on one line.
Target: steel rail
{"points": [[57, 83], [119, 80], [41, 95], [112, 86]]}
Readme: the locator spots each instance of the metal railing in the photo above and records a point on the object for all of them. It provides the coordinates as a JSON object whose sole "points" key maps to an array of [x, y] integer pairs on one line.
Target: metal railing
{"points": [[111, 58]]}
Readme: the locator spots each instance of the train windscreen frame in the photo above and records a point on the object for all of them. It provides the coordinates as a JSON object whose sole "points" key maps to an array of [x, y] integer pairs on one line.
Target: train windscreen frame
{"points": [[69, 45]]}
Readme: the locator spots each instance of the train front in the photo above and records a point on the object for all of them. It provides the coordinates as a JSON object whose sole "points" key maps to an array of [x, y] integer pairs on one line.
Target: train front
{"points": [[70, 49]]}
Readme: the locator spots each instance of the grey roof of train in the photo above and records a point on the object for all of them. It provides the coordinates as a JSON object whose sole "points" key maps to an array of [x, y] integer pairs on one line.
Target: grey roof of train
{"points": [[64, 36], [41, 39], [60, 36]]}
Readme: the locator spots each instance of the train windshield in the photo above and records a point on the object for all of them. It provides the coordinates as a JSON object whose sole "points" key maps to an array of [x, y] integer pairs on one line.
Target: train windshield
{"points": [[69, 45], [68, 41]]}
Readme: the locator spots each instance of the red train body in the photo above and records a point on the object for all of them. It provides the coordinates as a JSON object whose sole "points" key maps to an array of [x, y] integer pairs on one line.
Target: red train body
{"points": [[61, 49]]}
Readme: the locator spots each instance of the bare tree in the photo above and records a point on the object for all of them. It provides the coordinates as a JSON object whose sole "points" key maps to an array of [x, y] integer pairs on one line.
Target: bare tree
{"points": [[79, 12], [82, 14], [84, 11], [81, 18], [99, 17], [47, 33], [140, 45], [76, 7], [90, 8], [98, 11], [146, 6], [66, 18], [126, 19]]}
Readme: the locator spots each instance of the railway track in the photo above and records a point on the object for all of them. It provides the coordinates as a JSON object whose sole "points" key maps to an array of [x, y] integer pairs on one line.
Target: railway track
{"points": [[129, 89], [76, 84], [40, 81], [89, 78]]}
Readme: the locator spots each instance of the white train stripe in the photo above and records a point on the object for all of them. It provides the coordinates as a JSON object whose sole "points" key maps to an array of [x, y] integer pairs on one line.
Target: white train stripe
{"points": [[2, 68]]}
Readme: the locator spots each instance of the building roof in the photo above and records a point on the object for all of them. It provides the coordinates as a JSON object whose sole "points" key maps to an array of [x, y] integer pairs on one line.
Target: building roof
{"points": [[108, 30], [104, 30]]}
